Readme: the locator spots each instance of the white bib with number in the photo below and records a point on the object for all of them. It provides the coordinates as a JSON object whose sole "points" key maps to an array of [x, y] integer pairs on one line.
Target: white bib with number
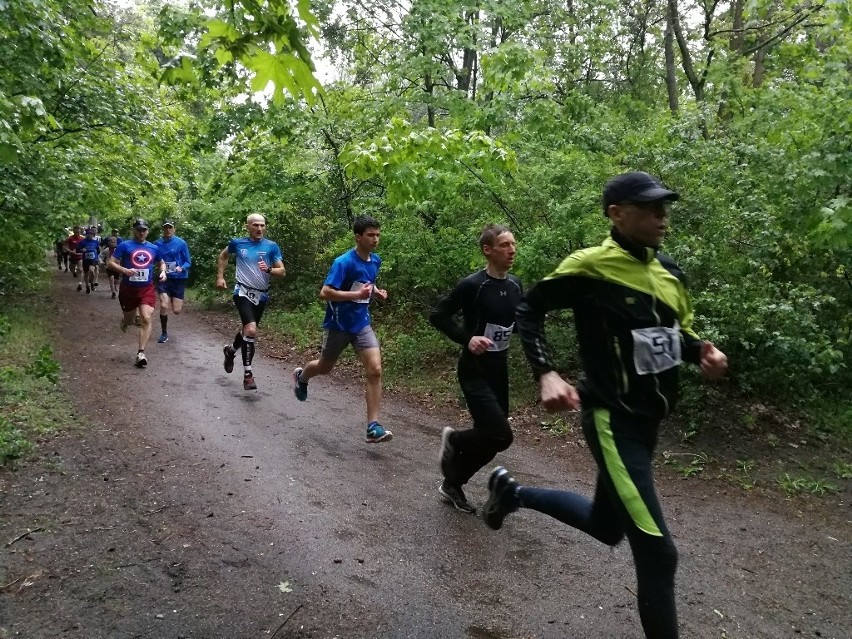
{"points": [[250, 294], [656, 349], [171, 267], [356, 286], [499, 336], [139, 275]]}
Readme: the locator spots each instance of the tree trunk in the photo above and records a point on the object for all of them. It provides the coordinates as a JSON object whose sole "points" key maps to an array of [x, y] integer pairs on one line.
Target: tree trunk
{"points": [[671, 77], [759, 68]]}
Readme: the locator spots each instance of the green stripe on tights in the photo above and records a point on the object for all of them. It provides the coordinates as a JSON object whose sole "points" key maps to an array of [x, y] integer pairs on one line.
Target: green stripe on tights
{"points": [[624, 486]]}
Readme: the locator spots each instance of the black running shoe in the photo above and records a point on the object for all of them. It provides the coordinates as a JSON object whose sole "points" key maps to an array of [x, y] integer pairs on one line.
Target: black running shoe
{"points": [[300, 388], [230, 354], [447, 451], [141, 360], [248, 382], [79, 287], [502, 498], [455, 496]]}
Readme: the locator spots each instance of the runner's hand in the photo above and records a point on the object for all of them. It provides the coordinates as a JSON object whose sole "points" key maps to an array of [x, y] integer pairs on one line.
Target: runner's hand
{"points": [[714, 363], [220, 283], [162, 276], [557, 394], [478, 344], [364, 292], [380, 294]]}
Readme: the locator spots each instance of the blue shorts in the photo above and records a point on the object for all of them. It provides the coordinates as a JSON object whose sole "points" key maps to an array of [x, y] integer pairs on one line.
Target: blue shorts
{"points": [[172, 288]]}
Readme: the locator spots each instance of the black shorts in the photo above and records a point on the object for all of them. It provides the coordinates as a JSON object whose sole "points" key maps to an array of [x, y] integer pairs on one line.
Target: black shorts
{"points": [[249, 313], [88, 263]]}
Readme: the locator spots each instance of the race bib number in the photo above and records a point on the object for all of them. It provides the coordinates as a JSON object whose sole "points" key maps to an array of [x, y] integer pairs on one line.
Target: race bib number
{"points": [[499, 336], [171, 267], [250, 294], [90, 255], [139, 275], [356, 286], [656, 349]]}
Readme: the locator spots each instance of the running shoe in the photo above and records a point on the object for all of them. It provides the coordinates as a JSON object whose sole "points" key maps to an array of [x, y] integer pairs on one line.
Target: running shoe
{"points": [[376, 434], [79, 287], [248, 382], [94, 285], [230, 354], [122, 325], [300, 388], [502, 498], [455, 495], [447, 450], [88, 290], [113, 295], [141, 360], [163, 338], [137, 321]]}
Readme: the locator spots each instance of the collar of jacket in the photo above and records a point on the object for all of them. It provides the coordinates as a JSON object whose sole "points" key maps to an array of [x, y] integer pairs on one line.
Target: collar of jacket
{"points": [[642, 253]]}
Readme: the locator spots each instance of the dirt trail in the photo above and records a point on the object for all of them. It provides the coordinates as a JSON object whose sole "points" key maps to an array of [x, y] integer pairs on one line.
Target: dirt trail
{"points": [[194, 509]]}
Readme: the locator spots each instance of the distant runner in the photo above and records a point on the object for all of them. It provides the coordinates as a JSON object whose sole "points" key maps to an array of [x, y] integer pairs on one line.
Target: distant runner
{"points": [[175, 253]]}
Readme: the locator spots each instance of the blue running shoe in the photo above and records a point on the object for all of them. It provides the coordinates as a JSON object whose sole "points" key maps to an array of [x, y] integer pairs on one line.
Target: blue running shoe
{"points": [[376, 434], [300, 388], [163, 339]]}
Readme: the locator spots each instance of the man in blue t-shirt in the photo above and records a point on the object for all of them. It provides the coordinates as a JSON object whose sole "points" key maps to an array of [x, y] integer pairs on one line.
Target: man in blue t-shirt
{"points": [[257, 258], [89, 248], [347, 291], [175, 254]]}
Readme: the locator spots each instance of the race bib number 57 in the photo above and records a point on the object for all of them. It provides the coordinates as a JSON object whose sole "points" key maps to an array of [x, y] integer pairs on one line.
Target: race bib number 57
{"points": [[656, 349]]}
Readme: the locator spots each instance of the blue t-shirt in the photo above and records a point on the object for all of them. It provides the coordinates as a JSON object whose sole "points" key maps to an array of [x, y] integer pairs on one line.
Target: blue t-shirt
{"points": [[175, 252], [349, 272], [89, 249], [141, 257], [249, 276]]}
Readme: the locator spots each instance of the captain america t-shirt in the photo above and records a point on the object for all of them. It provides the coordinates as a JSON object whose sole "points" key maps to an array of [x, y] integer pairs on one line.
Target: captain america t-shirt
{"points": [[141, 257]]}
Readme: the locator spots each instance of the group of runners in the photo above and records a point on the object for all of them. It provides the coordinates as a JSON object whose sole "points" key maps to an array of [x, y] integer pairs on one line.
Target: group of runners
{"points": [[633, 319], [634, 328], [131, 266]]}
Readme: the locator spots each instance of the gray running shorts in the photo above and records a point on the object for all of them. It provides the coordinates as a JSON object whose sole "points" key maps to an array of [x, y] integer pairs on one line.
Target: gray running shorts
{"points": [[333, 342]]}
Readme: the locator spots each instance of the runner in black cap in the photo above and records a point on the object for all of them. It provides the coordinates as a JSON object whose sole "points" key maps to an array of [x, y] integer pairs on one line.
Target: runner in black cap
{"points": [[634, 327]]}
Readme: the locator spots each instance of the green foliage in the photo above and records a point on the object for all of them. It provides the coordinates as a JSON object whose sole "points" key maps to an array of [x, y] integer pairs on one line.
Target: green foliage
{"points": [[686, 464], [444, 117], [806, 485], [44, 365], [13, 442], [31, 404]]}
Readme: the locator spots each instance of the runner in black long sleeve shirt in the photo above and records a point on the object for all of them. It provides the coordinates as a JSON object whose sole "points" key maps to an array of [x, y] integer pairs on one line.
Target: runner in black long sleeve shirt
{"points": [[487, 301]]}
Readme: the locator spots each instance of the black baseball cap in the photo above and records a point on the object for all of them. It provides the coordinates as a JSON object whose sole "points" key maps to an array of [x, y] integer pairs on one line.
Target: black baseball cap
{"points": [[140, 224], [168, 223], [636, 186]]}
